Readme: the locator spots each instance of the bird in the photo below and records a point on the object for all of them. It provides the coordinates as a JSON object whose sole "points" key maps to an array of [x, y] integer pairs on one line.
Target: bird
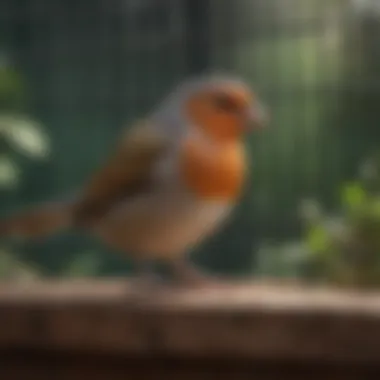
{"points": [[171, 181]]}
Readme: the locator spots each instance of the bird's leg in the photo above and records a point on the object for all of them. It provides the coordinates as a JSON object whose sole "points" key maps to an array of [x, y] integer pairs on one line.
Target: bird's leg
{"points": [[187, 275], [146, 282]]}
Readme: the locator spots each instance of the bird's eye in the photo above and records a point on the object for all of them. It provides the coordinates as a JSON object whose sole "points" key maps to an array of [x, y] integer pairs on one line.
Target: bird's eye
{"points": [[225, 103]]}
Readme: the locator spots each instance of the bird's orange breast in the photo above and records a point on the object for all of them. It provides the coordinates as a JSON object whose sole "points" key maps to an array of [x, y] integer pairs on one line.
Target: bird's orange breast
{"points": [[213, 173]]}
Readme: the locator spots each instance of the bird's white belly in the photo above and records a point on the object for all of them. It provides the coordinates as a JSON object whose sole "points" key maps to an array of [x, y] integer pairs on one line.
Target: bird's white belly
{"points": [[162, 225]]}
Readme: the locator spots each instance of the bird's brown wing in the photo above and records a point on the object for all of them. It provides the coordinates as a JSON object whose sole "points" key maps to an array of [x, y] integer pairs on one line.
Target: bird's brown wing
{"points": [[126, 172]]}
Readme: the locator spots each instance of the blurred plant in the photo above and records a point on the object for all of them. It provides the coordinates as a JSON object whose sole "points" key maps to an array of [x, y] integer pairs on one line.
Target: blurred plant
{"points": [[13, 269], [342, 248], [18, 133], [87, 264]]}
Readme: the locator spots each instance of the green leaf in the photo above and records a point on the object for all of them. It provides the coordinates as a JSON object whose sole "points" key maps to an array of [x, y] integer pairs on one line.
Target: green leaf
{"points": [[353, 196], [84, 265], [317, 239], [9, 173], [26, 136]]}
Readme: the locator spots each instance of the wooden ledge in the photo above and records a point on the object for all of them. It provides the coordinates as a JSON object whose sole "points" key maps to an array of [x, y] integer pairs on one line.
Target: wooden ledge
{"points": [[254, 321]]}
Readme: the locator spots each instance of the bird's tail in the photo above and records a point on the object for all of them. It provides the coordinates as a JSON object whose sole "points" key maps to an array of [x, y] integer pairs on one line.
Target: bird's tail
{"points": [[40, 221]]}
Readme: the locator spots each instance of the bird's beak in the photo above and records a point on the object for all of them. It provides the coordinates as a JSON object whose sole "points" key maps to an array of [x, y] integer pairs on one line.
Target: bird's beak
{"points": [[257, 117]]}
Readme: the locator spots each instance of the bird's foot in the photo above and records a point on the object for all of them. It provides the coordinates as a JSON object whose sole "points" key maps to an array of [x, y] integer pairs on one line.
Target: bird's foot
{"points": [[187, 276], [145, 287]]}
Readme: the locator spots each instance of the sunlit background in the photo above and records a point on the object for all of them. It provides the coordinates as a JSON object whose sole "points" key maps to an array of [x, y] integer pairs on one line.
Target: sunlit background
{"points": [[73, 73]]}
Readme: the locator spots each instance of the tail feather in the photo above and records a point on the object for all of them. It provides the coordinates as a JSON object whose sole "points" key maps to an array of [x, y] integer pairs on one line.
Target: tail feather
{"points": [[40, 221]]}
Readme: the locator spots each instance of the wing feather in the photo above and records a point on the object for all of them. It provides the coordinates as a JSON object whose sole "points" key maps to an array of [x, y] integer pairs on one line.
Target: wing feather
{"points": [[127, 171]]}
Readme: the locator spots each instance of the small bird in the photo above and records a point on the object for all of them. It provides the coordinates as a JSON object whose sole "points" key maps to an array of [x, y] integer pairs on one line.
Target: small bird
{"points": [[172, 180]]}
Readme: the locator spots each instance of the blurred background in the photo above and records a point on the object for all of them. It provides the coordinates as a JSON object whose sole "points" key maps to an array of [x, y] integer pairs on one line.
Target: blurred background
{"points": [[73, 73]]}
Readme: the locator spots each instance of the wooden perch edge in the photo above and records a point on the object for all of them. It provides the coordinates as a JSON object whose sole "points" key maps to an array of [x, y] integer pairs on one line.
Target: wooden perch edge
{"points": [[252, 321]]}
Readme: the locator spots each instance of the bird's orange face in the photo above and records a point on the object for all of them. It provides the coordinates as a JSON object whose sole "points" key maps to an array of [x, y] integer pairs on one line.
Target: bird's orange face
{"points": [[225, 113]]}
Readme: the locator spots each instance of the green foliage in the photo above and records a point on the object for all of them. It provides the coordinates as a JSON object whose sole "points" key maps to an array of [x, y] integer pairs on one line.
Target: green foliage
{"points": [[22, 135], [18, 133], [9, 173], [286, 260], [87, 264], [11, 268], [341, 248], [353, 196]]}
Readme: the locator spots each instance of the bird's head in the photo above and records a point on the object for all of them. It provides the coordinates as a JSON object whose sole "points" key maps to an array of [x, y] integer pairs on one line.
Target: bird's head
{"points": [[221, 108], [224, 110]]}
